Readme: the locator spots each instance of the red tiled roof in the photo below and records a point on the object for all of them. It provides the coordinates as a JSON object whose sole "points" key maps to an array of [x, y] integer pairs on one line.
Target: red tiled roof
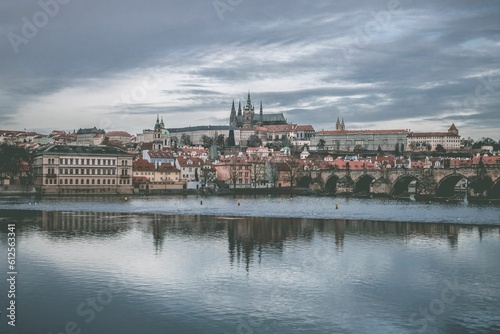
{"points": [[167, 168], [118, 134], [305, 128]]}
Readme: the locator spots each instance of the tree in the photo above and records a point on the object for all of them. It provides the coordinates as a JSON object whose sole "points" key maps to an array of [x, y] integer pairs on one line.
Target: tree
{"points": [[233, 171], [440, 148], [186, 140], [290, 168], [220, 141], [254, 141], [11, 159], [379, 151], [358, 148], [321, 144], [174, 140], [230, 139], [272, 172], [397, 151], [196, 177], [206, 141], [257, 172]]}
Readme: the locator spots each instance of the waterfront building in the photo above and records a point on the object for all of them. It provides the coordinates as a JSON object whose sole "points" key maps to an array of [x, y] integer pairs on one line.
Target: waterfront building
{"points": [[61, 169], [428, 141], [247, 118], [190, 168], [89, 136]]}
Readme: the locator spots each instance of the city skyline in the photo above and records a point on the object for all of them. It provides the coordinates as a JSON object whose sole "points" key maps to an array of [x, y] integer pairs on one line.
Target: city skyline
{"points": [[383, 65]]}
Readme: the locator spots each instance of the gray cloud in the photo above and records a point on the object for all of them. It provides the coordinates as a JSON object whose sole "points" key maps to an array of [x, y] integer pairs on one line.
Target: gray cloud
{"points": [[418, 66]]}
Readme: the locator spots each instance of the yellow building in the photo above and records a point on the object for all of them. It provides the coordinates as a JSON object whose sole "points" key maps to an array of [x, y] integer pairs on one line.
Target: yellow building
{"points": [[62, 169]]}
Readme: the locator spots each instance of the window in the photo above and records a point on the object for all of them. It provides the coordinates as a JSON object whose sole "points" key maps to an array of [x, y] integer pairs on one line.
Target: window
{"points": [[98, 181], [98, 161], [88, 181], [82, 181], [70, 181], [93, 161], [93, 181], [113, 181], [76, 181], [65, 181]]}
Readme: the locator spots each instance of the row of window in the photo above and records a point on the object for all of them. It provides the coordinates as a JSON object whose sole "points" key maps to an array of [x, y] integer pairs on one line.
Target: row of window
{"points": [[86, 181], [82, 171], [77, 161]]}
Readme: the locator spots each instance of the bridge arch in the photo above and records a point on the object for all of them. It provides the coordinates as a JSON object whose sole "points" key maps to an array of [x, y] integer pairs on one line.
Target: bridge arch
{"points": [[481, 185], [446, 187], [363, 184], [331, 184], [304, 182], [401, 185]]}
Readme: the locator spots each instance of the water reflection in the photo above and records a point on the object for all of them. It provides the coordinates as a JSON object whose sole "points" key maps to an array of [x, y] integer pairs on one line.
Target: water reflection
{"points": [[246, 236], [216, 274]]}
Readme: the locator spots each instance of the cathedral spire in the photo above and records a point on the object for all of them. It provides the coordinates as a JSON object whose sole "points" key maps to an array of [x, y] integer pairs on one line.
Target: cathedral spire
{"points": [[249, 102], [239, 108], [232, 117]]}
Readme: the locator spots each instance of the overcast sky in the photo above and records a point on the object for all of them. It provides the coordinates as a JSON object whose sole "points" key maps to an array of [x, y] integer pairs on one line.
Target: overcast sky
{"points": [[418, 65]]}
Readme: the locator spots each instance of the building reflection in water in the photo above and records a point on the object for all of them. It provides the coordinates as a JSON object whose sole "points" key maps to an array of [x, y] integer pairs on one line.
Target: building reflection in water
{"points": [[248, 238]]}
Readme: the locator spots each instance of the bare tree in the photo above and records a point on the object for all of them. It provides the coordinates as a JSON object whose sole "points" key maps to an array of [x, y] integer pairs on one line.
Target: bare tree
{"points": [[272, 172], [257, 172]]}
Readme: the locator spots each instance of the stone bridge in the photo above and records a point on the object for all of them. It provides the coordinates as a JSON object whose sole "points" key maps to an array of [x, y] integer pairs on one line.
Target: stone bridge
{"points": [[482, 184]]}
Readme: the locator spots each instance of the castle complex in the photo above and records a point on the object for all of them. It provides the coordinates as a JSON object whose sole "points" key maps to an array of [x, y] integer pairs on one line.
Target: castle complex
{"points": [[247, 118]]}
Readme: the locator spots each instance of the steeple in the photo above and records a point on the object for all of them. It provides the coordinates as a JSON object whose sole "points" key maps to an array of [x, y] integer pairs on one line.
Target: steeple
{"points": [[239, 108], [342, 125], [337, 125], [162, 124], [232, 117], [249, 102], [157, 125], [261, 114]]}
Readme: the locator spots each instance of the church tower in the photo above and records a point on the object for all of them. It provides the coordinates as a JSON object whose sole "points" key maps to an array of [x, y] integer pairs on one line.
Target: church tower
{"points": [[340, 126], [248, 113], [232, 118], [161, 136]]}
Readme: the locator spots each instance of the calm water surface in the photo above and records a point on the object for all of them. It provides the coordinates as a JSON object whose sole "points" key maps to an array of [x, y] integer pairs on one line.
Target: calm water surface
{"points": [[270, 265]]}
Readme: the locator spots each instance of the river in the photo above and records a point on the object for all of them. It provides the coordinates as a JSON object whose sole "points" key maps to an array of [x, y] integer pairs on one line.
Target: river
{"points": [[251, 265]]}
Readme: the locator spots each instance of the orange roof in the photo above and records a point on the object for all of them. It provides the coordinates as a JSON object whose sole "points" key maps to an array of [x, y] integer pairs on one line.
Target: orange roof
{"points": [[305, 128], [118, 134]]}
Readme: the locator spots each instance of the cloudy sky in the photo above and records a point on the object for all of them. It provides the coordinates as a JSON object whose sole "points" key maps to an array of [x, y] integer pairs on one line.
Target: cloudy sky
{"points": [[419, 65]]}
